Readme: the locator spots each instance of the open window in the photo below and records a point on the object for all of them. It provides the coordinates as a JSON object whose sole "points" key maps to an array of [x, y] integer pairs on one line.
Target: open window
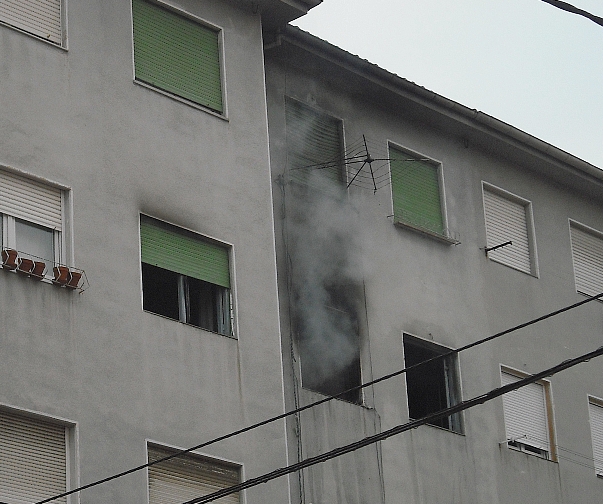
{"points": [[177, 54], [188, 476], [432, 386], [185, 276], [329, 344], [528, 416]]}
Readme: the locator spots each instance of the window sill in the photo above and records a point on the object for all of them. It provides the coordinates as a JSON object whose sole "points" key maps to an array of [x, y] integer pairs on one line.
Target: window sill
{"points": [[346, 401], [447, 237], [522, 449], [230, 336], [600, 300], [79, 283], [443, 429], [62, 45], [182, 100], [529, 273]]}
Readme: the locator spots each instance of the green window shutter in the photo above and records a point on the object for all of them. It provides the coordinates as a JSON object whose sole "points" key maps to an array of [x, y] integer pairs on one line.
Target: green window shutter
{"points": [[176, 54], [179, 251], [416, 192], [314, 142]]}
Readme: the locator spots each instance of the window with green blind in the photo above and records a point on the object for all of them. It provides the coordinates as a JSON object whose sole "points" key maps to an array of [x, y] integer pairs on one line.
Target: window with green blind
{"points": [[416, 192], [314, 144], [177, 54], [185, 277]]}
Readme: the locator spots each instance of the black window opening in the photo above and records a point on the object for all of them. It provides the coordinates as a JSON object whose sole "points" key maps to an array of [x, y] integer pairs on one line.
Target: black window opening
{"points": [[433, 386], [185, 277], [186, 299], [329, 345]]}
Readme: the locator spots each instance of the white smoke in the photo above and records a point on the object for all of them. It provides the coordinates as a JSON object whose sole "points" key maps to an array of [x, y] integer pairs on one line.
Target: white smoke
{"points": [[327, 247]]}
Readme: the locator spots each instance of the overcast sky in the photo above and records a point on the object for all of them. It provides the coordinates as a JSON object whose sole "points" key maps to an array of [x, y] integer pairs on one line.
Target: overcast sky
{"points": [[524, 62]]}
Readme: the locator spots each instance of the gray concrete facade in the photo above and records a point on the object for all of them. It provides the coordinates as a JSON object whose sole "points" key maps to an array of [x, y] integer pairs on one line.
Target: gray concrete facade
{"points": [[75, 121], [76, 118], [442, 291]]}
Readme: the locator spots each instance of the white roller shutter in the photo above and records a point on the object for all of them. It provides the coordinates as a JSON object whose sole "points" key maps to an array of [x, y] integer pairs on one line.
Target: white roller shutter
{"points": [[38, 17], [587, 252], [33, 459], [506, 221], [185, 477], [596, 429], [30, 200], [525, 414]]}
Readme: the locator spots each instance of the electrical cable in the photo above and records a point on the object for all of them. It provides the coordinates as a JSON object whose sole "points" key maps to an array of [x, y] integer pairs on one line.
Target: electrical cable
{"points": [[342, 450], [575, 10], [324, 400]]}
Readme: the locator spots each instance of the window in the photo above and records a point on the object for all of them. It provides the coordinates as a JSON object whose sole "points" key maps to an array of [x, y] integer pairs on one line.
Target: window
{"points": [[41, 18], [417, 193], [177, 54], [587, 254], [595, 407], [32, 219], [314, 144], [509, 219], [433, 386], [185, 277], [34, 458], [528, 416], [188, 476], [329, 342]]}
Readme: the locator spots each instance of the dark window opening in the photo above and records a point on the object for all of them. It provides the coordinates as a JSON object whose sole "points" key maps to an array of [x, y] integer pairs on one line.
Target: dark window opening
{"points": [[330, 350], [186, 299], [433, 386]]}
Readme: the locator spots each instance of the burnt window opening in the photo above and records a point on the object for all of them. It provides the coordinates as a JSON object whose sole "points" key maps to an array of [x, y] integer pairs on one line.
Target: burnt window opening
{"points": [[329, 345], [433, 386]]}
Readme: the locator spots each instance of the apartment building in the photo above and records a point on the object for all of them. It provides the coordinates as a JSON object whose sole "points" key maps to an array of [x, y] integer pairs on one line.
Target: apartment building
{"points": [[407, 226], [137, 233], [210, 218]]}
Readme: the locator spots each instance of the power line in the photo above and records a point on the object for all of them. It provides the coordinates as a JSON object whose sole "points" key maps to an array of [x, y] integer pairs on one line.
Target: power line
{"points": [[575, 10], [324, 400], [342, 450]]}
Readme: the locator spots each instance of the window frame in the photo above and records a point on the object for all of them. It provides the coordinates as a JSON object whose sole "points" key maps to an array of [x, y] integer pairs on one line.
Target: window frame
{"points": [[346, 300], [179, 11], [446, 235], [594, 233], [71, 444], [318, 114], [451, 379], [499, 255], [526, 447], [194, 455], [62, 44], [62, 238], [182, 308], [596, 439]]}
